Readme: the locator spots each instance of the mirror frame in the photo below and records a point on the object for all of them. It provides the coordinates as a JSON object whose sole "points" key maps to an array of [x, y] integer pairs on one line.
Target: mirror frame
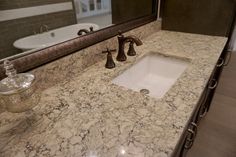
{"points": [[28, 61]]}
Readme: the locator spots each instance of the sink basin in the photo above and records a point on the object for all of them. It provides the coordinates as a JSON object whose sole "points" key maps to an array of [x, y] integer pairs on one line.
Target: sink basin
{"points": [[153, 75]]}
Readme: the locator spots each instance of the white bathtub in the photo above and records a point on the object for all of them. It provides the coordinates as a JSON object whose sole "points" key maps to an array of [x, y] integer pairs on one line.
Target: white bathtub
{"points": [[52, 37]]}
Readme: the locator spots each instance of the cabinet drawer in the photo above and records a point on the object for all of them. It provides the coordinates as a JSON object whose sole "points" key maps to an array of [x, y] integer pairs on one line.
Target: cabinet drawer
{"points": [[214, 80], [191, 134], [188, 137]]}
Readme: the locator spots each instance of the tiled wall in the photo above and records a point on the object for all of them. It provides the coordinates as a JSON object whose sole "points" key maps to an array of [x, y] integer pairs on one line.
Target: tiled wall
{"points": [[14, 4], [14, 29]]}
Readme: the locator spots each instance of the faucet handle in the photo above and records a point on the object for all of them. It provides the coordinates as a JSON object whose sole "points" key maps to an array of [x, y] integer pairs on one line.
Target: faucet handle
{"points": [[131, 51], [109, 50], [91, 29], [110, 64], [120, 33]]}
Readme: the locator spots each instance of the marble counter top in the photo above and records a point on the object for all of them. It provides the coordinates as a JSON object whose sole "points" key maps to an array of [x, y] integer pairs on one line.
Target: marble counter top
{"points": [[89, 116]]}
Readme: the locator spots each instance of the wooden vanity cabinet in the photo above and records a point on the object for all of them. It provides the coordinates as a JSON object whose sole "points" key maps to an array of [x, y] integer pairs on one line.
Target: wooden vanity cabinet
{"points": [[190, 132]]}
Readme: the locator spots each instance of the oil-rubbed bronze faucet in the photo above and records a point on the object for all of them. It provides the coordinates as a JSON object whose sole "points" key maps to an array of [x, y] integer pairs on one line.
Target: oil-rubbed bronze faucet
{"points": [[43, 28], [122, 40], [81, 31]]}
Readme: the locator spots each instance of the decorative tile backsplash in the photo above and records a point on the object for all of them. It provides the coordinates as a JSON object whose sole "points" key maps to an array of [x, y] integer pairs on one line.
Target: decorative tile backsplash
{"points": [[72, 65]]}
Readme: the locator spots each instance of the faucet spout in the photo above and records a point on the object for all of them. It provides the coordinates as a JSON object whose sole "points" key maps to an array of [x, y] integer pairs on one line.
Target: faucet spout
{"points": [[44, 28], [86, 31], [81, 31], [122, 40], [134, 39]]}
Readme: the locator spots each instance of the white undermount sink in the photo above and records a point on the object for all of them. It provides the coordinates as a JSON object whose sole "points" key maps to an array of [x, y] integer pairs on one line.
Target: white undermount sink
{"points": [[153, 75]]}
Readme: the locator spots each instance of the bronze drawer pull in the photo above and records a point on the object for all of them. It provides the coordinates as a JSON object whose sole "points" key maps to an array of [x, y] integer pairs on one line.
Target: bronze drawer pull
{"points": [[215, 84], [221, 63], [189, 141], [204, 113], [201, 115], [194, 127], [228, 54]]}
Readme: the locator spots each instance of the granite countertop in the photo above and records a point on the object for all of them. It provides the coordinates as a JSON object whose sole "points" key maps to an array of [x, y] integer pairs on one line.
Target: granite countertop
{"points": [[89, 116]]}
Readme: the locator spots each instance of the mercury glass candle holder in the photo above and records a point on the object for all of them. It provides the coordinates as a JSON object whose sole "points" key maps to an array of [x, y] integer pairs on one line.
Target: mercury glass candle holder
{"points": [[18, 92]]}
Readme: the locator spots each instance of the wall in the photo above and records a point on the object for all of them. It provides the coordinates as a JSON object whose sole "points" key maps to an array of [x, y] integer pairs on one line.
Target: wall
{"points": [[211, 17], [26, 24], [14, 4], [136, 10]]}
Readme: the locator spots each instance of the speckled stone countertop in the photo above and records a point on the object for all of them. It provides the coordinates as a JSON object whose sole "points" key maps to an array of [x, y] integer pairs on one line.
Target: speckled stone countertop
{"points": [[91, 117]]}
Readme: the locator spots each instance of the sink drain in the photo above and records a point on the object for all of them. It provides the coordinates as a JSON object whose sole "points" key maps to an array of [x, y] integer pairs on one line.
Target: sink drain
{"points": [[144, 91]]}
